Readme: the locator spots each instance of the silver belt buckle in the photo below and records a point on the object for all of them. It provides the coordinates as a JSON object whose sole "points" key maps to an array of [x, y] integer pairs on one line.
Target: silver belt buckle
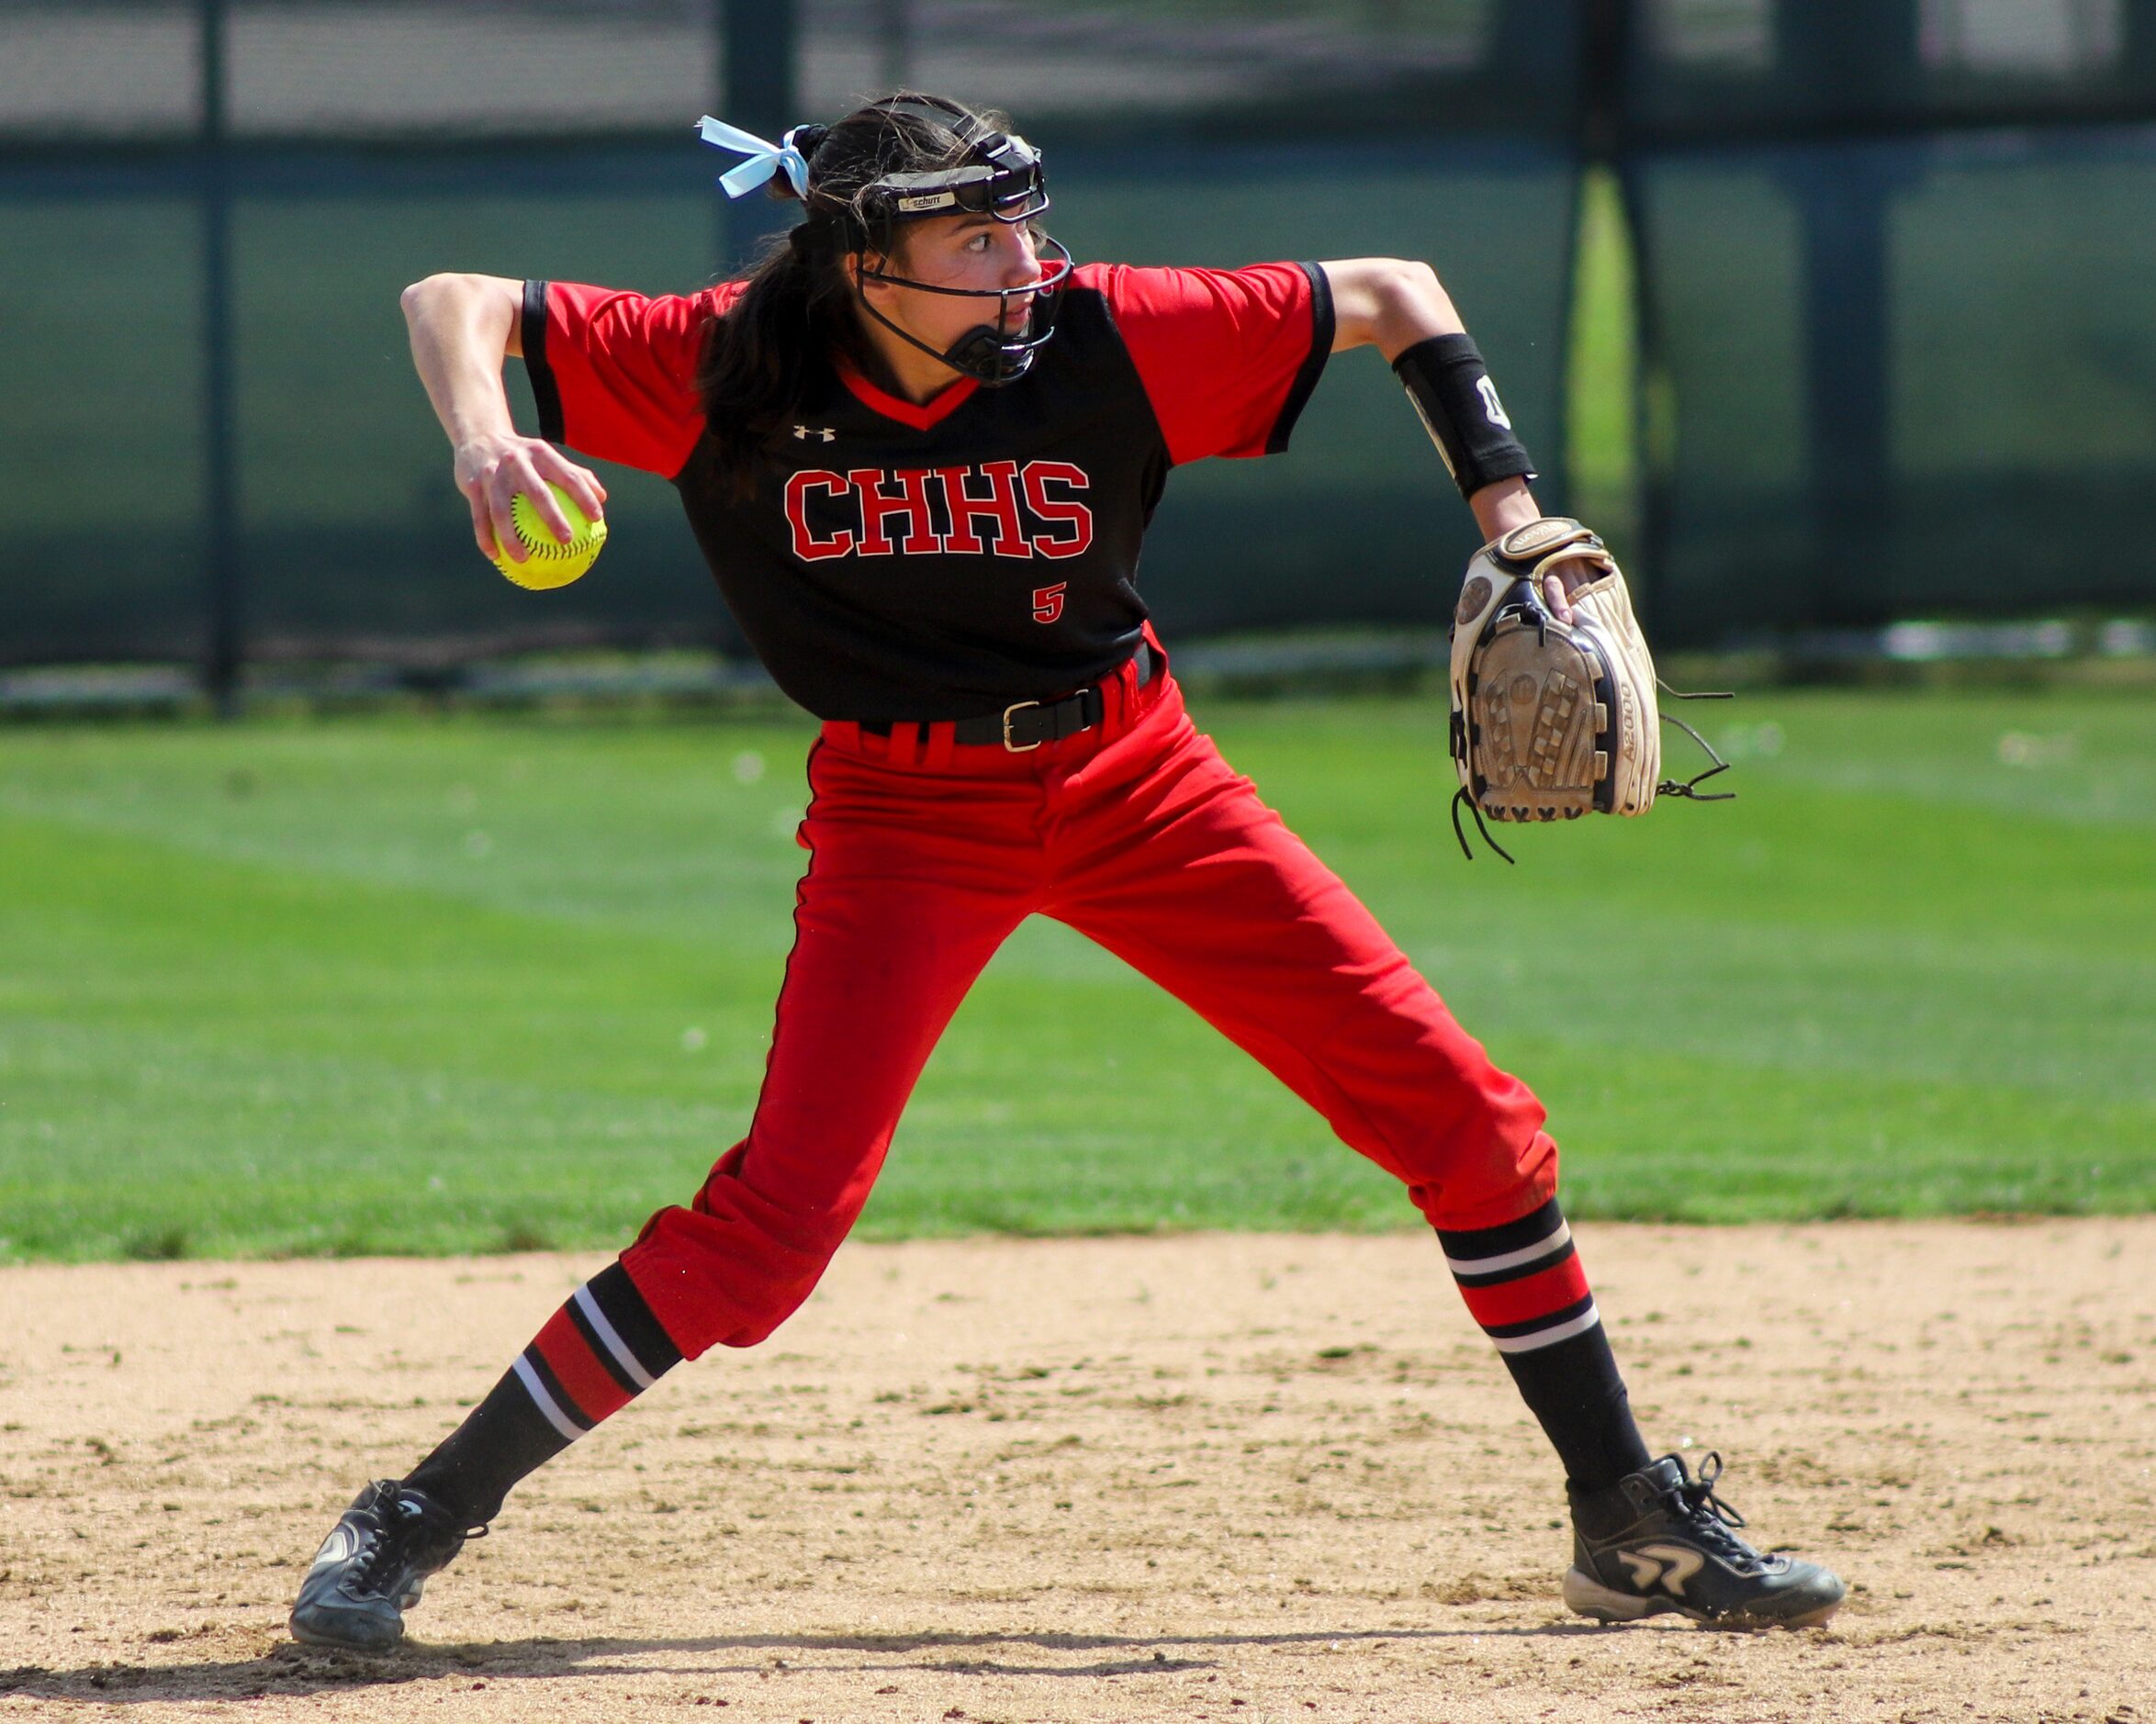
{"points": [[1017, 748]]}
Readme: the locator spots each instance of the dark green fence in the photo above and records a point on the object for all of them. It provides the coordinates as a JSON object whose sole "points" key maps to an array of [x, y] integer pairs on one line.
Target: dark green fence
{"points": [[1893, 257]]}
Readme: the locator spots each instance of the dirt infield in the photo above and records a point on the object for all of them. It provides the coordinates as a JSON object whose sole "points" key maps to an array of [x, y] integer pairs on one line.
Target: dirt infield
{"points": [[1222, 1478]]}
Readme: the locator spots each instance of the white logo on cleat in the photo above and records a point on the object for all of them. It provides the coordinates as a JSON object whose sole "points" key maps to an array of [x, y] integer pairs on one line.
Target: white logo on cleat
{"points": [[341, 1544], [1647, 1566]]}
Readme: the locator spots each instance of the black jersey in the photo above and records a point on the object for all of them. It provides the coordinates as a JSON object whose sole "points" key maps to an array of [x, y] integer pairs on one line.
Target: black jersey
{"points": [[902, 561]]}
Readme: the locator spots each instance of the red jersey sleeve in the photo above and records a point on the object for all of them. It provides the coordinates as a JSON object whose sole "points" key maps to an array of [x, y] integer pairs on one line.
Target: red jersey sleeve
{"points": [[1228, 357], [614, 374]]}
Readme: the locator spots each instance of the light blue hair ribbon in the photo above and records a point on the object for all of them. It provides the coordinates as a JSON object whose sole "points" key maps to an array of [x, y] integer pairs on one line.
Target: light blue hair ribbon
{"points": [[765, 158]]}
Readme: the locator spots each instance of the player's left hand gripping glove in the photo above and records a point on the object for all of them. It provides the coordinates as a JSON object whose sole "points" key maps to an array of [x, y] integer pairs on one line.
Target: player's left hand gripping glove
{"points": [[1554, 720]]}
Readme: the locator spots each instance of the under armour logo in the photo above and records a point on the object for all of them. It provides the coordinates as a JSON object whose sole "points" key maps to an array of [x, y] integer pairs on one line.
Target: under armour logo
{"points": [[1492, 408], [1647, 1566], [822, 433]]}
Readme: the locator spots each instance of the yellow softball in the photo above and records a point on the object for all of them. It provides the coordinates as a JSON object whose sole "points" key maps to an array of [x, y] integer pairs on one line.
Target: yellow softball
{"points": [[547, 561]]}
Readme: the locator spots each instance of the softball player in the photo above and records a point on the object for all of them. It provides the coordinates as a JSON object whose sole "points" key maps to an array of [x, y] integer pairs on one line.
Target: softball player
{"points": [[919, 449]]}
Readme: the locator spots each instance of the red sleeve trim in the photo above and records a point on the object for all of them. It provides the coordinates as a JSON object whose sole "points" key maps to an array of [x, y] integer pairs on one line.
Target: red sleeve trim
{"points": [[1228, 358], [614, 373]]}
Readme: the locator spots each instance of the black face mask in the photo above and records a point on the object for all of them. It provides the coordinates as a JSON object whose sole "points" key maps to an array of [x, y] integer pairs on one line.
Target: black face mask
{"points": [[1004, 181], [999, 351]]}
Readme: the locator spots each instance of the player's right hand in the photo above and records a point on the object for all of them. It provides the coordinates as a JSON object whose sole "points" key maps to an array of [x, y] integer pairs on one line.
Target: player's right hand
{"points": [[490, 470]]}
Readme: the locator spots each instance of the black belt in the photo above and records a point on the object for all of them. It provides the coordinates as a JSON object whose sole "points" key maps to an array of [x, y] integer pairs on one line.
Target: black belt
{"points": [[1024, 725]]}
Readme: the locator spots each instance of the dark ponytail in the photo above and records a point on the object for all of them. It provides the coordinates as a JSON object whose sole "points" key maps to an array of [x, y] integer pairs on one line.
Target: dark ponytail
{"points": [[796, 309]]}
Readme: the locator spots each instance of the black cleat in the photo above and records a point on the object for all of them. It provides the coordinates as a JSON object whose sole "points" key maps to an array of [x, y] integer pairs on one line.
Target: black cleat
{"points": [[1659, 1539], [373, 1565]]}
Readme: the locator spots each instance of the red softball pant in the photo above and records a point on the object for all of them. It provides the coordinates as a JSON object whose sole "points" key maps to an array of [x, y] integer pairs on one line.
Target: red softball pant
{"points": [[926, 855]]}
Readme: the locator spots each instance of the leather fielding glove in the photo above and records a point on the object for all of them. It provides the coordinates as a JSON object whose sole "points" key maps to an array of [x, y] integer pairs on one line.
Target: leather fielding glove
{"points": [[1552, 719]]}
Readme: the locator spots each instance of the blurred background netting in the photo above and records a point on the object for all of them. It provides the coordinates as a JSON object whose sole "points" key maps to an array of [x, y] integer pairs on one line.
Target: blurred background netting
{"points": [[1890, 335], [1895, 261]]}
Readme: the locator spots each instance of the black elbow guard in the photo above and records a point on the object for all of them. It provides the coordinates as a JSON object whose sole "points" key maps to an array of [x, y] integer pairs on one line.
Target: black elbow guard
{"points": [[1450, 387]]}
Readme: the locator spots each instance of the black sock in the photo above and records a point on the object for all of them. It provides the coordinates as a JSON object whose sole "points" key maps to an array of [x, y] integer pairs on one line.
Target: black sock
{"points": [[1524, 1285], [1573, 1389], [595, 1355]]}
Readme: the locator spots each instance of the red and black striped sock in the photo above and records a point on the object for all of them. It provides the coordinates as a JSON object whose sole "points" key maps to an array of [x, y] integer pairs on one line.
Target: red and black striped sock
{"points": [[1524, 1283], [595, 1355]]}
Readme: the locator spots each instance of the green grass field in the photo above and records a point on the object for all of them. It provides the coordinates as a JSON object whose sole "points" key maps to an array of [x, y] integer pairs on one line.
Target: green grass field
{"points": [[406, 984]]}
